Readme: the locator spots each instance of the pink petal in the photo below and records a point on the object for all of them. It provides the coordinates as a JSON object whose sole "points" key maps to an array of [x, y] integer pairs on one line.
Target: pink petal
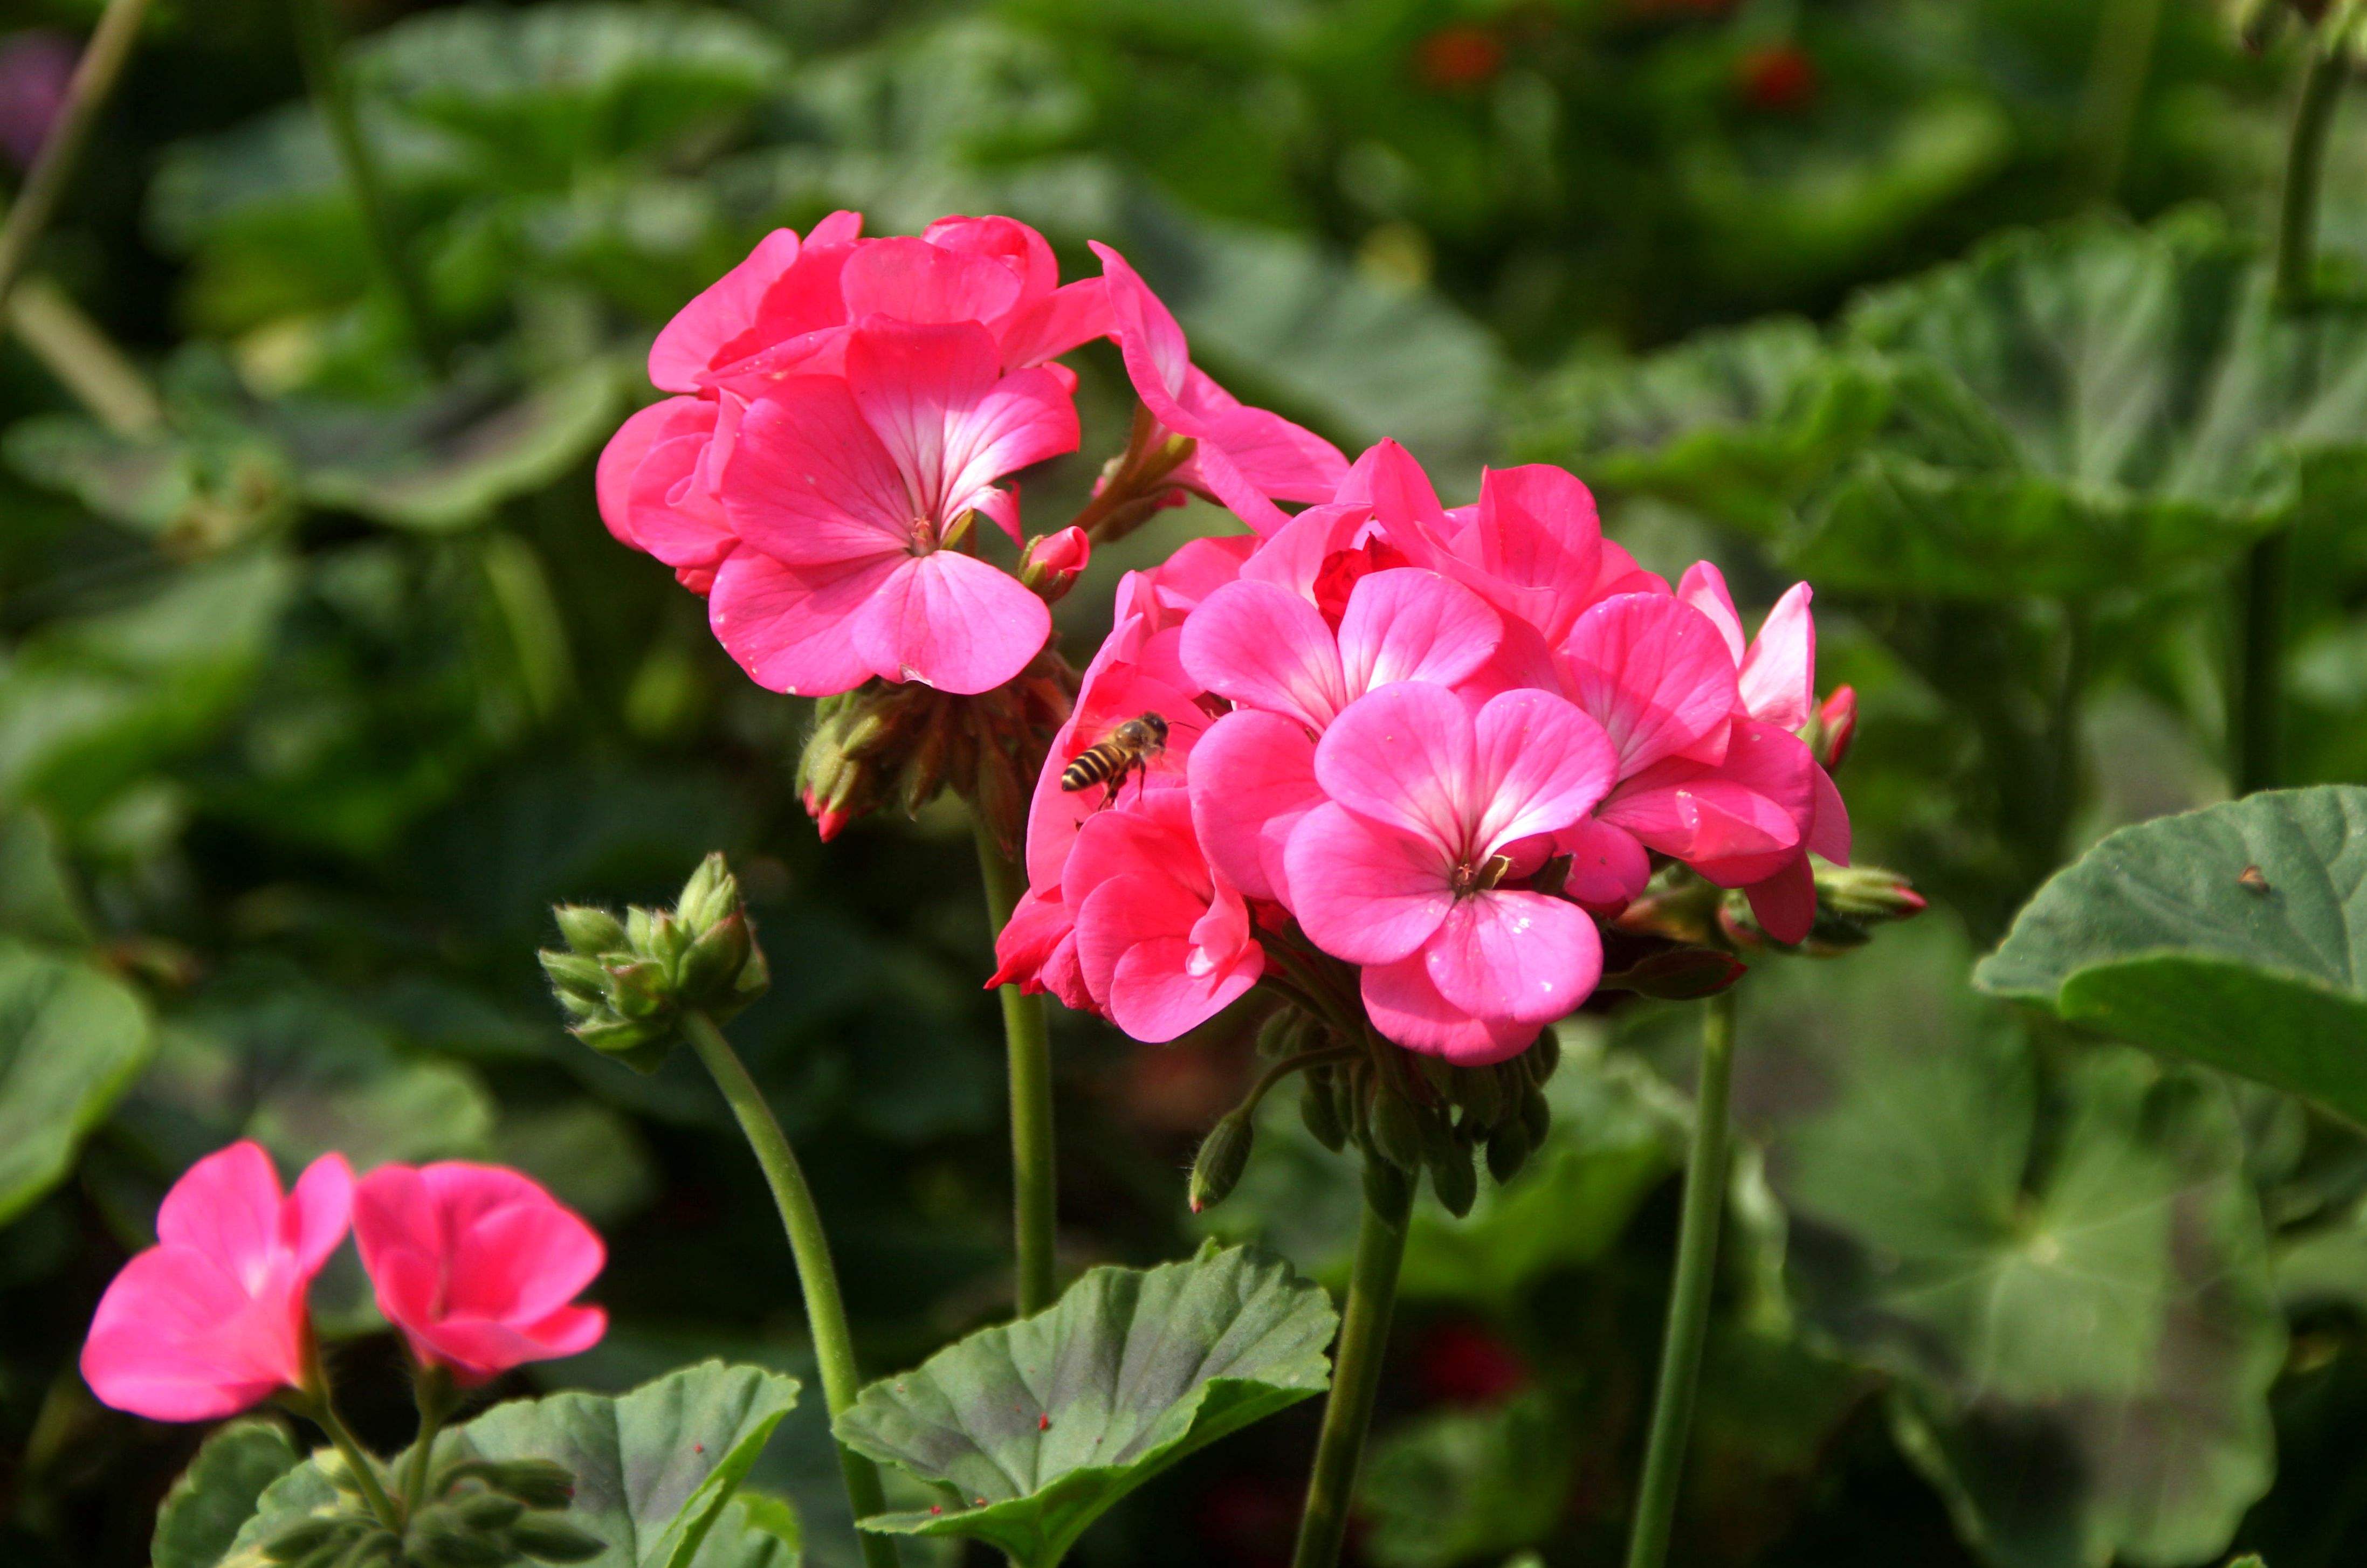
{"points": [[525, 1259], [810, 483], [950, 621], [175, 1338], [1277, 459], [1267, 649], [1040, 922], [623, 454], [1365, 893], [1828, 832], [226, 1207], [1517, 955], [1779, 675], [1608, 868], [1403, 756], [1405, 1006], [1411, 625], [913, 280], [1069, 318], [1389, 478], [690, 343], [1156, 355], [318, 1212], [1155, 997], [951, 421], [1785, 903], [792, 629], [1535, 535], [1540, 764], [664, 503], [1654, 672], [1704, 587], [1019, 249], [1124, 911], [1252, 777]]}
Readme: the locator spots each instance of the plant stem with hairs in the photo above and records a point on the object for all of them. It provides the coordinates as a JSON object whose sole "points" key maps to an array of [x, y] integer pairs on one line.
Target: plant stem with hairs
{"points": [[833, 1343], [1027, 1044], [1356, 1373], [1696, 1271]]}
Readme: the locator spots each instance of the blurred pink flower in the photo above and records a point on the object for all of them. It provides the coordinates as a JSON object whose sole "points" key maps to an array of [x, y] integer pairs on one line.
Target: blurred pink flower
{"points": [[35, 68], [845, 494], [1245, 457], [211, 1320], [1399, 871], [477, 1266]]}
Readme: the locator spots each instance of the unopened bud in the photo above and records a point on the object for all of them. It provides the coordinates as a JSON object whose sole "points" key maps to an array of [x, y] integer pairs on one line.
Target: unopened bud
{"points": [[1832, 727], [588, 930], [1452, 1178], [573, 974], [711, 893], [488, 1511], [1396, 1130], [307, 1536], [1536, 1115], [1385, 1186], [1051, 562], [1680, 974], [1867, 893], [554, 1540], [1508, 1150], [1224, 1155], [1318, 1107], [714, 959], [700, 955]]}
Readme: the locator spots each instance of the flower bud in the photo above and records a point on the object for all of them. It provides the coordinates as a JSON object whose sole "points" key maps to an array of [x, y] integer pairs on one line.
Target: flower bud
{"points": [[1318, 1107], [1385, 1186], [587, 931], [1224, 1155], [1052, 562], [488, 1511], [1508, 1150], [1831, 727], [1452, 1178], [307, 1536], [552, 1540], [1680, 974], [628, 1001], [1395, 1129], [1536, 1115]]}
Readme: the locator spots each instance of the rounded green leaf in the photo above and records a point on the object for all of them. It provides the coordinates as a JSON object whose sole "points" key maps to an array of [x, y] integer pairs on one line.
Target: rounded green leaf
{"points": [[2071, 1284], [2235, 935], [202, 1514], [653, 1468], [72, 1038], [1034, 1429]]}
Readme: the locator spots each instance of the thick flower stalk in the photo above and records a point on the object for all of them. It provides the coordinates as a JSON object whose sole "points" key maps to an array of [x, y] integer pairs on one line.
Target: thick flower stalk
{"points": [[1414, 768], [478, 1267]]}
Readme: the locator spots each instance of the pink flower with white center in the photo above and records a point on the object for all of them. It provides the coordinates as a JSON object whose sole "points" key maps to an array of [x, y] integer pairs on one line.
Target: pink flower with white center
{"points": [[846, 492], [211, 1320], [1430, 808], [478, 1266], [1162, 943], [1270, 653], [1245, 457]]}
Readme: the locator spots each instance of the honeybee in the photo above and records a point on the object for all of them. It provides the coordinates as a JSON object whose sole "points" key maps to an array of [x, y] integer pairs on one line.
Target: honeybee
{"points": [[1128, 748]]}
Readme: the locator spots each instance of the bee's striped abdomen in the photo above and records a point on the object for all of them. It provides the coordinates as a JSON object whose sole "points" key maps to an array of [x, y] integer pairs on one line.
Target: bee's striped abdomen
{"points": [[1092, 765]]}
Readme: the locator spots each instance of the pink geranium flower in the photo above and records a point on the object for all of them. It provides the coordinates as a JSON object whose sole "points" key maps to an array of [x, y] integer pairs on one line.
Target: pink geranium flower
{"points": [[1431, 810], [478, 1266], [1163, 942], [211, 1320], [847, 494], [1245, 457]]}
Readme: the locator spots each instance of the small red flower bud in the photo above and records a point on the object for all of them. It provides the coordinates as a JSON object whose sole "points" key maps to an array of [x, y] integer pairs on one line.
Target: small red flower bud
{"points": [[1837, 727], [1461, 56], [1780, 78]]}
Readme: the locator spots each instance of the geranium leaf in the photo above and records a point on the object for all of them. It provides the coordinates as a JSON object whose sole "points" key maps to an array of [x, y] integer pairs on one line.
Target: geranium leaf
{"points": [[72, 1038], [1462, 1485], [2235, 935], [2073, 1284], [1033, 1429], [201, 1515], [653, 1468]]}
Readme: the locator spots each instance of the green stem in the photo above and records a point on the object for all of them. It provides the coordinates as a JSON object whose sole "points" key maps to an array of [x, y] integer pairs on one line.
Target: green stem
{"points": [[1028, 1045], [1355, 1378], [2125, 33], [313, 1402], [817, 1277], [2256, 734], [94, 80], [332, 95], [84, 361], [432, 1389], [1696, 1271]]}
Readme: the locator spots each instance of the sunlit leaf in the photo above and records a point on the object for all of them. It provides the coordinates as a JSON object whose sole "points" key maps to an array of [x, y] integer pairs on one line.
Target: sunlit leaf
{"points": [[1033, 1429], [2071, 1285], [72, 1038], [654, 1468], [2235, 935], [217, 1495]]}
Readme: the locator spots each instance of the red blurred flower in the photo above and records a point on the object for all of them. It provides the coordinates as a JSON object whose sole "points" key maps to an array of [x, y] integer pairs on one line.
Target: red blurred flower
{"points": [[1459, 56], [1780, 78], [1462, 1362]]}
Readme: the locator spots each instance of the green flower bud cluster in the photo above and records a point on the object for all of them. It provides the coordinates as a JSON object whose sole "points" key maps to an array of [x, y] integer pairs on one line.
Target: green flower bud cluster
{"points": [[1408, 1113], [1683, 909], [485, 1514], [883, 744], [626, 984]]}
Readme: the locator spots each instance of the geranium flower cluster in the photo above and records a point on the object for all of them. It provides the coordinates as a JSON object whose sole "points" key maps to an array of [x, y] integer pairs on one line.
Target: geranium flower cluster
{"points": [[477, 1266], [1435, 744], [847, 410]]}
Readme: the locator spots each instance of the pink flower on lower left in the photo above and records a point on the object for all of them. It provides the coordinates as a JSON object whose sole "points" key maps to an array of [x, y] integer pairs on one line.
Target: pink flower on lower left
{"points": [[478, 1266], [211, 1320]]}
